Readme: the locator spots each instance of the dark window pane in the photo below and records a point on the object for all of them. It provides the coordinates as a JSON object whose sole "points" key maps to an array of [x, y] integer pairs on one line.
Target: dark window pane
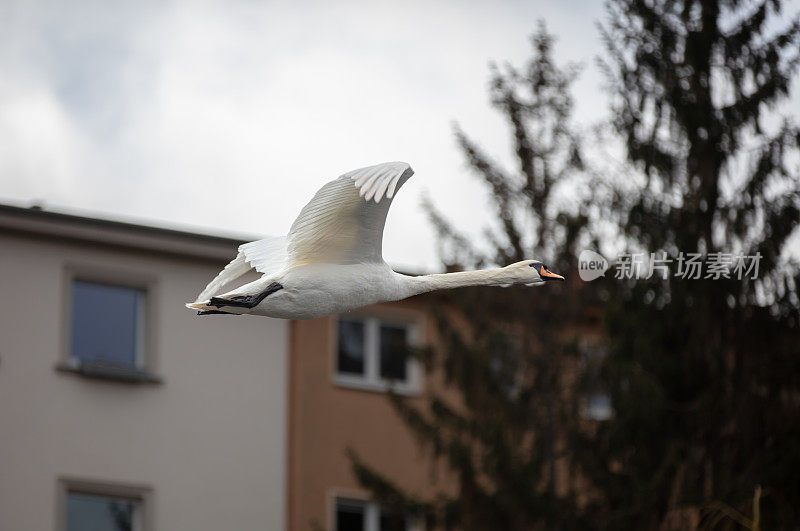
{"points": [[598, 406], [393, 352], [598, 401], [87, 512], [105, 323], [392, 522], [505, 353], [351, 347], [349, 516]]}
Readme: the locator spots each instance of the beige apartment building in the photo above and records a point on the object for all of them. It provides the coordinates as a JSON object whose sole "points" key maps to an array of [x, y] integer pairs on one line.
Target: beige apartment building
{"points": [[120, 409]]}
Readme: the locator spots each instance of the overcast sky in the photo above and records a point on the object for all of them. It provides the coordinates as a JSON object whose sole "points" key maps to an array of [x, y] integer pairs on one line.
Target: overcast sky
{"points": [[226, 117]]}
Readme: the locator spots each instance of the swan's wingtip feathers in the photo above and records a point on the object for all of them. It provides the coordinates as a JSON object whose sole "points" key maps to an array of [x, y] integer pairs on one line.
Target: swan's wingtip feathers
{"points": [[381, 180], [400, 179]]}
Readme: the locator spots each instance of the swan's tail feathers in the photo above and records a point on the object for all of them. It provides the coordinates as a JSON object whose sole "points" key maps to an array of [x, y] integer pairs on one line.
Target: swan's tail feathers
{"points": [[232, 271]]}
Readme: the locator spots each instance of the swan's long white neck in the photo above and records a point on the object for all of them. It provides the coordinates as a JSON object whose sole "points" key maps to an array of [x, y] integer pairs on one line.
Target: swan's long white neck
{"points": [[482, 277]]}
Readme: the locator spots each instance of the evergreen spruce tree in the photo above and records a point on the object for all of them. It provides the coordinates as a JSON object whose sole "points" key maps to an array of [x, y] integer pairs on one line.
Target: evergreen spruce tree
{"points": [[504, 438], [704, 373]]}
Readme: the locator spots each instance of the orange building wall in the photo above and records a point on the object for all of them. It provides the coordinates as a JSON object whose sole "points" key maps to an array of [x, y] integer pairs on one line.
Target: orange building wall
{"points": [[326, 418]]}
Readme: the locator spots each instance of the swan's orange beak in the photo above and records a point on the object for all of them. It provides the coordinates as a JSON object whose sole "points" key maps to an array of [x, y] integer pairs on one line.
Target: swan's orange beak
{"points": [[546, 274]]}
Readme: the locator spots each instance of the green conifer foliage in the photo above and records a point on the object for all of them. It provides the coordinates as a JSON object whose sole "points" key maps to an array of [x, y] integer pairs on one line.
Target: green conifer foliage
{"points": [[704, 373], [504, 437]]}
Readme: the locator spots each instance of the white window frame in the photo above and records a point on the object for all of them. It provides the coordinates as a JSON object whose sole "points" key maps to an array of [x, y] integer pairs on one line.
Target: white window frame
{"points": [[372, 514], [140, 355], [141, 494], [371, 380], [146, 367]]}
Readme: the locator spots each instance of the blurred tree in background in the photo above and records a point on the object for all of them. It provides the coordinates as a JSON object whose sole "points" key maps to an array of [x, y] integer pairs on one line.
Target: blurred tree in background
{"points": [[513, 366], [704, 374]]}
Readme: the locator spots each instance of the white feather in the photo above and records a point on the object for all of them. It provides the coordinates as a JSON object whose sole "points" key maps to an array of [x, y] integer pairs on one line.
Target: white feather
{"points": [[232, 271], [337, 226], [331, 260]]}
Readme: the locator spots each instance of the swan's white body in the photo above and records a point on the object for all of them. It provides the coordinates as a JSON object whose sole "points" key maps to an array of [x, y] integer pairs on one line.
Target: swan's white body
{"points": [[331, 262]]}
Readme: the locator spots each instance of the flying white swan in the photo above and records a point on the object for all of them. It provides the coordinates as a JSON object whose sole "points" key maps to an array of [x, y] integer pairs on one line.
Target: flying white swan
{"points": [[331, 260]]}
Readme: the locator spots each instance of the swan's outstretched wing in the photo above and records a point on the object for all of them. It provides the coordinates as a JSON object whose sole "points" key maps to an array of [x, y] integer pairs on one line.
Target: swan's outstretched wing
{"points": [[265, 256], [343, 223]]}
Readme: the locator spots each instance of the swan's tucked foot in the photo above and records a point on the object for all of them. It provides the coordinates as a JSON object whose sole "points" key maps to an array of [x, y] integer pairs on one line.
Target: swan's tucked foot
{"points": [[245, 301], [215, 312], [239, 300]]}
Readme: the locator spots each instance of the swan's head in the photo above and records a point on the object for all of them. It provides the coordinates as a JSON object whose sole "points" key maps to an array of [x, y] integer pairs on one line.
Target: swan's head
{"points": [[532, 272]]}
